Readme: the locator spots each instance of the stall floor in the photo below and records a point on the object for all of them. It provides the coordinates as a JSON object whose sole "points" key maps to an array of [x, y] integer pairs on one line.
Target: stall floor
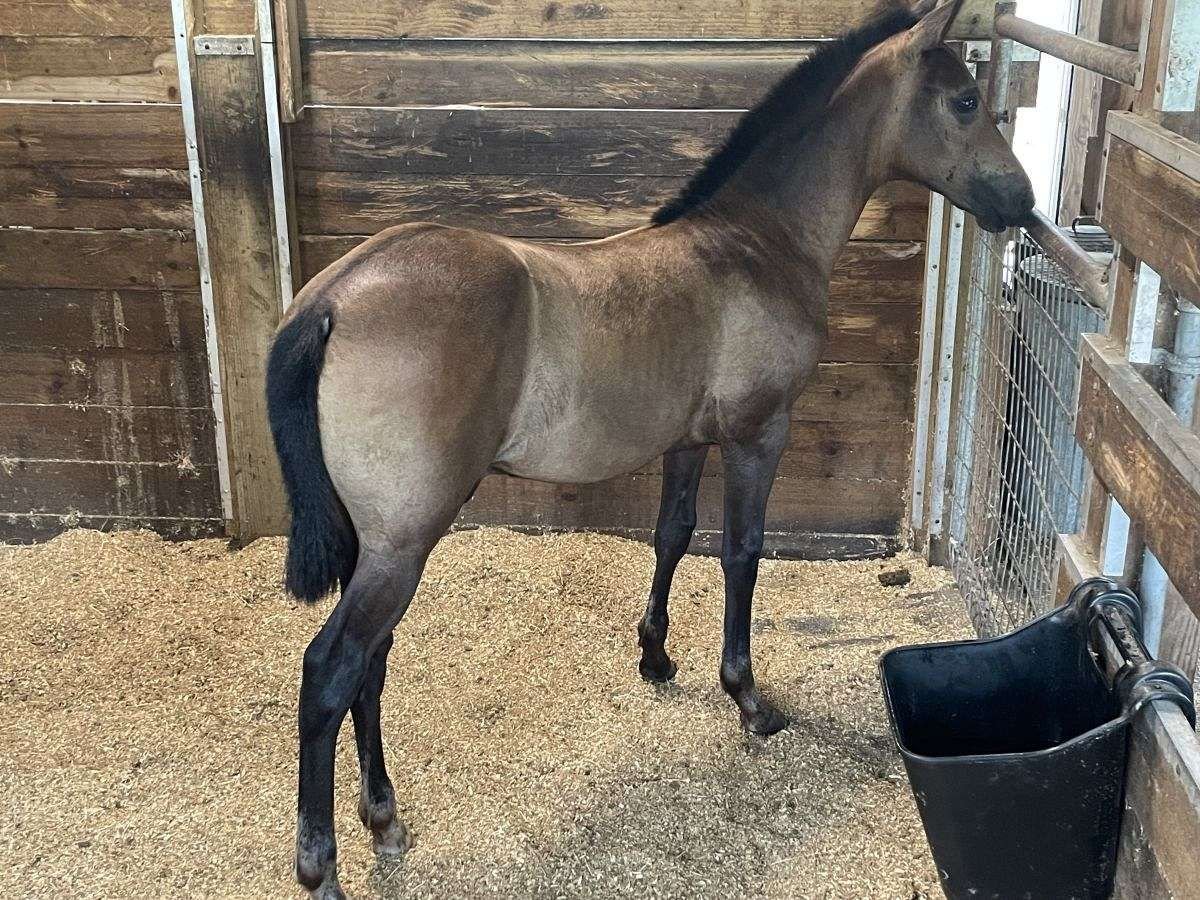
{"points": [[148, 693]]}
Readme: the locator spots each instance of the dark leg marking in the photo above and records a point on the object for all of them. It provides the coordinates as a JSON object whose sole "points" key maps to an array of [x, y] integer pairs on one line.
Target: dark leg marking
{"points": [[749, 473], [377, 799], [336, 666], [672, 534]]}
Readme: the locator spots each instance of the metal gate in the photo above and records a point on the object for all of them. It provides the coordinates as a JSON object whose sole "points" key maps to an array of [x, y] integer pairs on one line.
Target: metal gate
{"points": [[1016, 469]]}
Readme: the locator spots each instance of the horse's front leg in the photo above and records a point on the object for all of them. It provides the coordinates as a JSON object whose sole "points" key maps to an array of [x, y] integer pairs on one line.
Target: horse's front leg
{"points": [[749, 472], [672, 534]]}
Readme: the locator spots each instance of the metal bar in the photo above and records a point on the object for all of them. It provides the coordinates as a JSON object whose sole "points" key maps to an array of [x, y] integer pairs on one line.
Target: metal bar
{"points": [[283, 243], [179, 16], [929, 314], [1114, 63], [1091, 277], [941, 444], [999, 77]]}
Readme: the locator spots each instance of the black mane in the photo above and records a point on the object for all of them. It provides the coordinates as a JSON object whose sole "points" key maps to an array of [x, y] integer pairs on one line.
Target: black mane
{"points": [[800, 97]]}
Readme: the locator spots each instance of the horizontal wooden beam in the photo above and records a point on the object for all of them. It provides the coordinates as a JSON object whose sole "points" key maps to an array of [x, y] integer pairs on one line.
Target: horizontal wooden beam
{"points": [[669, 19], [127, 135], [550, 206], [1162, 144], [1144, 457], [1115, 63], [1151, 204], [1089, 275], [88, 68]]}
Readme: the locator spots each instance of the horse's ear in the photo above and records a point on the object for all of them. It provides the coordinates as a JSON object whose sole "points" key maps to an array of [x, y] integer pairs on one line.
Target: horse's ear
{"points": [[931, 31]]}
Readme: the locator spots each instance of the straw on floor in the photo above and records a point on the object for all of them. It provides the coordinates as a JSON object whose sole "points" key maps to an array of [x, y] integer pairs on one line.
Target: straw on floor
{"points": [[147, 693]]}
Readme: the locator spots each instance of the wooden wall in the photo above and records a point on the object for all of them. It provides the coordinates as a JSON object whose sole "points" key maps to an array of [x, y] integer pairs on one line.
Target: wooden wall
{"points": [[105, 412], [562, 139]]}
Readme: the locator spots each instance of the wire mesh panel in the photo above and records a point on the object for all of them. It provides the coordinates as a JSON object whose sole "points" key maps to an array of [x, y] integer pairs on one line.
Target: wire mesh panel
{"points": [[1017, 472]]}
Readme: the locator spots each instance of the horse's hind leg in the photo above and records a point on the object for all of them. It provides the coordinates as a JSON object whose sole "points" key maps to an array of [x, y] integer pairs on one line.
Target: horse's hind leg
{"points": [[336, 665], [377, 800], [672, 534]]}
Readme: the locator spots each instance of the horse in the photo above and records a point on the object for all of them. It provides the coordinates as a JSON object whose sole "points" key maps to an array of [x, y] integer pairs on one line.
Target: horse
{"points": [[429, 357]]}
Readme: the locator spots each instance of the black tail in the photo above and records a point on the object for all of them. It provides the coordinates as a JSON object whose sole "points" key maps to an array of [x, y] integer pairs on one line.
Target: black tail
{"points": [[323, 547]]}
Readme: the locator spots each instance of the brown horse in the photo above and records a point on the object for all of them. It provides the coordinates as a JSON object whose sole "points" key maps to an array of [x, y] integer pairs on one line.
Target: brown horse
{"points": [[430, 356]]}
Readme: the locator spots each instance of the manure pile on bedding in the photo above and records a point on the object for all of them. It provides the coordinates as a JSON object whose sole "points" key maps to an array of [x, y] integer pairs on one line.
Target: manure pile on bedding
{"points": [[147, 695]]}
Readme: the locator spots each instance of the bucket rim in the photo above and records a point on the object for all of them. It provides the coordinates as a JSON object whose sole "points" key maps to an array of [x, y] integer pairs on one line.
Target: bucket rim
{"points": [[1121, 720], [1117, 722]]}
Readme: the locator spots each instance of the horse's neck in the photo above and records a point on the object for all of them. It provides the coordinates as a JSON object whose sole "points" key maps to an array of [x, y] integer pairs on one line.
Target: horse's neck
{"points": [[816, 188]]}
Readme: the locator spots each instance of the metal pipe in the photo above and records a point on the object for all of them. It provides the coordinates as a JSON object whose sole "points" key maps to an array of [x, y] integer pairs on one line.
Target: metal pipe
{"points": [[1115, 63], [999, 77], [1183, 367], [279, 204], [1090, 276], [181, 26]]}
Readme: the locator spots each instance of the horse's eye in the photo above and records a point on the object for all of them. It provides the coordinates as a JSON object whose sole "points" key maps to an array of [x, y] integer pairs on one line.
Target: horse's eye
{"points": [[966, 104]]}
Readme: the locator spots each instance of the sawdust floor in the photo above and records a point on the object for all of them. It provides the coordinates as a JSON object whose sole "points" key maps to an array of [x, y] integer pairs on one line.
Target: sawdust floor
{"points": [[147, 704]]}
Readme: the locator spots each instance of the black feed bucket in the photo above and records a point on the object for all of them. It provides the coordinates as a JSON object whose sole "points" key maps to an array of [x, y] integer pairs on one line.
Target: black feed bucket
{"points": [[1015, 747]]}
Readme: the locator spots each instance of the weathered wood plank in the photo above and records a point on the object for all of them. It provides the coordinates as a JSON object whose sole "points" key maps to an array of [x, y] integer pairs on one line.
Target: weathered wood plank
{"points": [[55, 196], [112, 18], [31, 529], [613, 19], [1160, 827], [288, 65], [115, 433], [102, 319], [837, 451], [776, 544], [126, 136], [631, 501], [859, 392], [507, 141], [235, 158], [1154, 211], [640, 75], [874, 296], [37, 258], [118, 377], [104, 488], [1162, 789], [1180, 641], [118, 18], [579, 206], [1144, 457], [101, 68]]}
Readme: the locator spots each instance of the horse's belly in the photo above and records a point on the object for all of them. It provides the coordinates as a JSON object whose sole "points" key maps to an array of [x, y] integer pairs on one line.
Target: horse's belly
{"points": [[588, 446]]}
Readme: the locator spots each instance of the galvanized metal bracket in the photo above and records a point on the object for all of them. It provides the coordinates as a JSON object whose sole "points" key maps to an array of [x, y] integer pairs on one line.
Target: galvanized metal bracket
{"points": [[223, 44]]}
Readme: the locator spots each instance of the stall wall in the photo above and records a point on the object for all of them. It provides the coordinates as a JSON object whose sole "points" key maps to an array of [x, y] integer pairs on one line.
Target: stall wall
{"points": [[105, 407]]}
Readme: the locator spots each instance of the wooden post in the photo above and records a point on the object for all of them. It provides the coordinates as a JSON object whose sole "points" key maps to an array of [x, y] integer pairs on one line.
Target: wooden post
{"points": [[287, 54], [232, 143]]}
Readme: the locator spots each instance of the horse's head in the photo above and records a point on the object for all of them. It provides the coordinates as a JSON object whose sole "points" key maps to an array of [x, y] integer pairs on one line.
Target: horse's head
{"points": [[944, 136]]}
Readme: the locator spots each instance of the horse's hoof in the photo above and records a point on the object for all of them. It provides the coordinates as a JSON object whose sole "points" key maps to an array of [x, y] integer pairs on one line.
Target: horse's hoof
{"points": [[329, 889], [392, 841], [765, 721], [658, 671]]}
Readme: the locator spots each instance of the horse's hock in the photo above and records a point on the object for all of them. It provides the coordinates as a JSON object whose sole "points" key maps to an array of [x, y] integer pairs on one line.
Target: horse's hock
{"points": [[959, 410]]}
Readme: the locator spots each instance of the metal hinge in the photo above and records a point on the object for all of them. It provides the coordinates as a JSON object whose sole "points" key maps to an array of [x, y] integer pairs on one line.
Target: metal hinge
{"points": [[223, 44]]}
